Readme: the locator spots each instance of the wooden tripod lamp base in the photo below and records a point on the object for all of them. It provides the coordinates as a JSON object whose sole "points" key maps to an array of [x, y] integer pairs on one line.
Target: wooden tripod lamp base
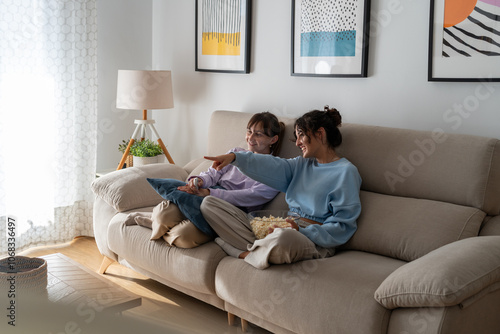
{"points": [[141, 126]]}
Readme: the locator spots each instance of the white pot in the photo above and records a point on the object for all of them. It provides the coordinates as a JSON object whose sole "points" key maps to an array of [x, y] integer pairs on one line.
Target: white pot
{"points": [[141, 161]]}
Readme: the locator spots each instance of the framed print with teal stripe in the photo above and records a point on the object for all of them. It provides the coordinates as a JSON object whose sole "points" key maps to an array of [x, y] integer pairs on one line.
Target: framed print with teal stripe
{"points": [[330, 38]]}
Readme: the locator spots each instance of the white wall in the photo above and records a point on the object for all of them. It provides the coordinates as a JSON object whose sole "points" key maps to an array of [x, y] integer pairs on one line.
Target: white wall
{"points": [[395, 94], [124, 42]]}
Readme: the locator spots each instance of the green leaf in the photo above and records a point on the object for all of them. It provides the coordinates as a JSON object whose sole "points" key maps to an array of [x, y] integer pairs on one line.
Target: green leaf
{"points": [[145, 148]]}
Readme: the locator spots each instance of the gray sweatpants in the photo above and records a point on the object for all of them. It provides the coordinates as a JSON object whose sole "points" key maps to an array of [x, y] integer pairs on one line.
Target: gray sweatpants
{"points": [[282, 246]]}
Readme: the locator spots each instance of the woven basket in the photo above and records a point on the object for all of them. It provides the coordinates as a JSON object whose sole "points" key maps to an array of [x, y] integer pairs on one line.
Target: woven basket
{"points": [[28, 273], [130, 160]]}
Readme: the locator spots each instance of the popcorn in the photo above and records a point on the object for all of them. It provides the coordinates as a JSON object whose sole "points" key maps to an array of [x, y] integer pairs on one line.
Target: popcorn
{"points": [[261, 225]]}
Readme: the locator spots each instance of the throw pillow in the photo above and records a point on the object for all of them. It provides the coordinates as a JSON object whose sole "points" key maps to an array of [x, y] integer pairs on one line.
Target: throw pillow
{"points": [[447, 276], [127, 189]]}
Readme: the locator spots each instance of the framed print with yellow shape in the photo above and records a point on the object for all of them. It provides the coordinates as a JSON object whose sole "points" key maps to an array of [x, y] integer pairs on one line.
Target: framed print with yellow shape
{"points": [[223, 35]]}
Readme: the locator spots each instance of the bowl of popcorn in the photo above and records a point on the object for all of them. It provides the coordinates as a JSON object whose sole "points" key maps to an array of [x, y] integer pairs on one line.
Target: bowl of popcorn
{"points": [[264, 221]]}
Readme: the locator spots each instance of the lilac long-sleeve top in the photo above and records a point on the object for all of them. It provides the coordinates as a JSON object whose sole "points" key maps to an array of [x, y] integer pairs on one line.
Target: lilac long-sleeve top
{"points": [[239, 189]]}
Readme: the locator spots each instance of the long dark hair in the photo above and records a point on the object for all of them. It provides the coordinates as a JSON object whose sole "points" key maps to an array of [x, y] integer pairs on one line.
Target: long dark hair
{"points": [[329, 119], [272, 127]]}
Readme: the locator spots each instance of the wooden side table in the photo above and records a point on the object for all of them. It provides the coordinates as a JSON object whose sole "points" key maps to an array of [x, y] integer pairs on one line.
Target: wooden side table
{"points": [[104, 172]]}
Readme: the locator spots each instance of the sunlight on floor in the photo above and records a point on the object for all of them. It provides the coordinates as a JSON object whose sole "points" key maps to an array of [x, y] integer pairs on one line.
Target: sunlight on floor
{"points": [[162, 306]]}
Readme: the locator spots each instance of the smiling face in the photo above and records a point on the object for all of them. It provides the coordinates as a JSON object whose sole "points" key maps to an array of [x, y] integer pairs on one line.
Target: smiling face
{"points": [[309, 145], [257, 139]]}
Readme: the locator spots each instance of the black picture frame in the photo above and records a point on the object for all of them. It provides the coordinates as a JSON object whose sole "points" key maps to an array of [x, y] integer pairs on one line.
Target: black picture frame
{"points": [[226, 51], [460, 52], [345, 54]]}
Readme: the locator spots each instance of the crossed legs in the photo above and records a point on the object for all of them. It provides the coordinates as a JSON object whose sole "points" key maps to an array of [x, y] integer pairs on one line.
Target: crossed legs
{"points": [[281, 246]]}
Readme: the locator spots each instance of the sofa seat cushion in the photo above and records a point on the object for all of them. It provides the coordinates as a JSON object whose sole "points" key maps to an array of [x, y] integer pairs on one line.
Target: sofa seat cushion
{"points": [[341, 289], [408, 228], [190, 268]]}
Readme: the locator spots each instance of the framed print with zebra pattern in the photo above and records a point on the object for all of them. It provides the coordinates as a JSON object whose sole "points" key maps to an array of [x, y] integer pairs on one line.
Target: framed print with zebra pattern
{"points": [[330, 38], [464, 40], [222, 41]]}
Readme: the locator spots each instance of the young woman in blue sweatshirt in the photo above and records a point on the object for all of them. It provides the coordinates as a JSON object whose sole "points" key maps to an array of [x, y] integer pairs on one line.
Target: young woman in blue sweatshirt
{"points": [[322, 187]]}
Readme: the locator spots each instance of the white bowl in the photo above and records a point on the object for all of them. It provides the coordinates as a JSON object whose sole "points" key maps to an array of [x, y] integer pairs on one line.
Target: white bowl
{"points": [[274, 213], [276, 219]]}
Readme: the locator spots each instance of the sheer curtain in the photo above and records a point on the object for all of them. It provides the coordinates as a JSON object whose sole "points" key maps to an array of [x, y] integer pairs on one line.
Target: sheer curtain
{"points": [[48, 120]]}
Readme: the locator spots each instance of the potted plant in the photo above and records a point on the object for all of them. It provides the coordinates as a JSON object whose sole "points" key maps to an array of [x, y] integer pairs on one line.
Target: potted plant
{"points": [[145, 152]]}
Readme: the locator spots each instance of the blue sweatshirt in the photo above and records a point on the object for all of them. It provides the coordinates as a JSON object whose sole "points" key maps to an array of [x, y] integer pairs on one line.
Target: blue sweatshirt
{"points": [[326, 193]]}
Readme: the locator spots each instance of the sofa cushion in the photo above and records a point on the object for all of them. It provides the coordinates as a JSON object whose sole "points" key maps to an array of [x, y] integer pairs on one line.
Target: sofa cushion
{"points": [[128, 189], [193, 268], [491, 226], [340, 288], [445, 277], [201, 167], [191, 165], [454, 168], [227, 130], [408, 228]]}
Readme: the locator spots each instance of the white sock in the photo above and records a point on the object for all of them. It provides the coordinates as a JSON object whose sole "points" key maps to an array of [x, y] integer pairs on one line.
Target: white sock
{"points": [[230, 250]]}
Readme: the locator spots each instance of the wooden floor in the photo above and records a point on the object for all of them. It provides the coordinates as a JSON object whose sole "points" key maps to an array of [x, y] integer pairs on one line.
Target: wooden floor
{"points": [[160, 304]]}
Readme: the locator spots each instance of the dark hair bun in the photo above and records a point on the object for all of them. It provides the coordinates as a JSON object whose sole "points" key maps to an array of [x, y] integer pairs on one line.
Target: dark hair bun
{"points": [[334, 114]]}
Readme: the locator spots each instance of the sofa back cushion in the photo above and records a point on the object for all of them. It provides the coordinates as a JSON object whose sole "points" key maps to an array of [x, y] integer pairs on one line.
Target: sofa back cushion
{"points": [[453, 168], [459, 169], [408, 228], [227, 130], [421, 190]]}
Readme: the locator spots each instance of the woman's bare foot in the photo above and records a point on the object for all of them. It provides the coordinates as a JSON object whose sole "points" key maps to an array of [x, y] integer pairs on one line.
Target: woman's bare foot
{"points": [[243, 255]]}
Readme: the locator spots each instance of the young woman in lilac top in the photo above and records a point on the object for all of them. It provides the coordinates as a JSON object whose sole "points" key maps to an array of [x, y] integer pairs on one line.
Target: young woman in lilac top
{"points": [[263, 136]]}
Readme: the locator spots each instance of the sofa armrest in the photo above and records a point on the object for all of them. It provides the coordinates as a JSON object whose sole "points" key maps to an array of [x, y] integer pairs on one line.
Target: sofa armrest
{"points": [[450, 275], [128, 189], [199, 165], [193, 165]]}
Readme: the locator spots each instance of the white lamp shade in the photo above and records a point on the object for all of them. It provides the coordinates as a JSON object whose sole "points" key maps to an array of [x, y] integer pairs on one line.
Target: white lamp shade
{"points": [[143, 90]]}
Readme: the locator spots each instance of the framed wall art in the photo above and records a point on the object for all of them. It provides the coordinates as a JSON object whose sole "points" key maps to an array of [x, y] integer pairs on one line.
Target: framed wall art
{"points": [[330, 38], [464, 40], [222, 39]]}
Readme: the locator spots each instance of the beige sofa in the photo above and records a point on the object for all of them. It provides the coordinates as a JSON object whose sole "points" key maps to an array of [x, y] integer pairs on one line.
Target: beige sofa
{"points": [[425, 258]]}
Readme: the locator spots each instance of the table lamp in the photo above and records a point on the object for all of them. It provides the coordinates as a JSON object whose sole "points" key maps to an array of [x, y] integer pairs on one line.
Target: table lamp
{"points": [[143, 90]]}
